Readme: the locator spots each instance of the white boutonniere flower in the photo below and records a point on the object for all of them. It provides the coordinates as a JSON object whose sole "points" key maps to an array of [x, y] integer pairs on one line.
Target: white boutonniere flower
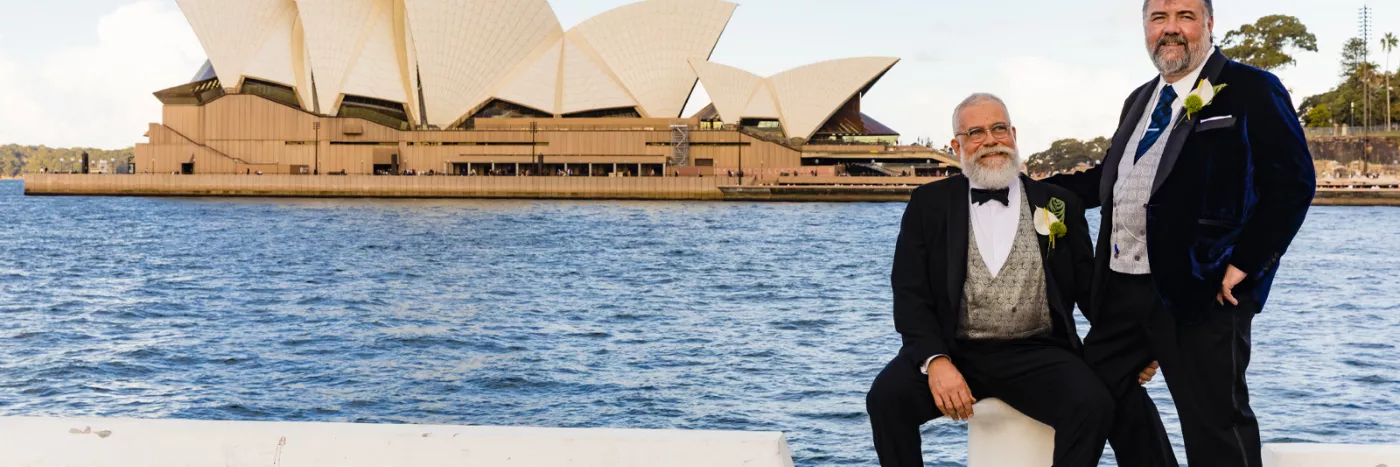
{"points": [[1201, 97], [1048, 220]]}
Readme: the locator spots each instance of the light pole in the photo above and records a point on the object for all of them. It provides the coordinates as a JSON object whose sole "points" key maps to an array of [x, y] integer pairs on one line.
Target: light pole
{"points": [[316, 127]]}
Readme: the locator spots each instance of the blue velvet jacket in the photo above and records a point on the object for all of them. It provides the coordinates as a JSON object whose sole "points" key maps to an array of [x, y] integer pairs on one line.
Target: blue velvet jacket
{"points": [[1233, 188]]}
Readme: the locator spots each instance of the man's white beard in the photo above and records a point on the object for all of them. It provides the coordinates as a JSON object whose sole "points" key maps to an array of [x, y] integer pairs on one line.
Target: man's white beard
{"points": [[994, 179]]}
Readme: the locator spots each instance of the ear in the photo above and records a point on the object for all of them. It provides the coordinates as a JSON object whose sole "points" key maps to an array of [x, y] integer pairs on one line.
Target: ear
{"points": [[957, 147], [1210, 26], [1013, 134]]}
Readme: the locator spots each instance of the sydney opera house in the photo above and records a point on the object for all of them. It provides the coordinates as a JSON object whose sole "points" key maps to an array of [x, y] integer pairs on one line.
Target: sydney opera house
{"points": [[498, 87]]}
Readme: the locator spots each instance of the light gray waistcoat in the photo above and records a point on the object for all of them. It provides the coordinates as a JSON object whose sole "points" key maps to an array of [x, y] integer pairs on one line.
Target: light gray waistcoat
{"points": [[1011, 305]]}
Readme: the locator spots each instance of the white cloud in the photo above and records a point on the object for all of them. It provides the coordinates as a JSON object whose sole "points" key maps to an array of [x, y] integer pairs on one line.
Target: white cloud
{"points": [[1050, 100], [99, 95]]}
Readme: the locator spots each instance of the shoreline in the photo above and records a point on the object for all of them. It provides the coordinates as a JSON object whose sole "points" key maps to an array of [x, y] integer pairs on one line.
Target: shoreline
{"points": [[796, 189]]}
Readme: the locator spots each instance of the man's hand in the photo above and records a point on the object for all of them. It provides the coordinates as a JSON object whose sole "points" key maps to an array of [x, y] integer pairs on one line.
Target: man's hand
{"points": [[1233, 277], [1148, 373], [950, 392]]}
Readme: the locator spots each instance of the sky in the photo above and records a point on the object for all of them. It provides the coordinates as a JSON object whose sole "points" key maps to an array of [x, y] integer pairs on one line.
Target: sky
{"points": [[81, 72]]}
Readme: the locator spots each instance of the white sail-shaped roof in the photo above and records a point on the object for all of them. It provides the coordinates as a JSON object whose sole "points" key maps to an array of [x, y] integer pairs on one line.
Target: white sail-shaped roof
{"points": [[234, 34], [730, 88], [274, 60], [761, 105], [808, 96], [375, 70], [802, 98], [443, 59], [465, 48], [587, 84], [408, 61], [647, 46], [335, 34], [537, 84]]}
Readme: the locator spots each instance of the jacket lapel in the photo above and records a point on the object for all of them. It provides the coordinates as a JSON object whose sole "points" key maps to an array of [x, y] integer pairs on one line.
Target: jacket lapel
{"points": [[1035, 193], [957, 225], [1185, 126], [1120, 142]]}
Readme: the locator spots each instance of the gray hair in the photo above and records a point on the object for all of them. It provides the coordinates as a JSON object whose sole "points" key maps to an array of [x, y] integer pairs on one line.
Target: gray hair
{"points": [[978, 98], [1210, 7]]}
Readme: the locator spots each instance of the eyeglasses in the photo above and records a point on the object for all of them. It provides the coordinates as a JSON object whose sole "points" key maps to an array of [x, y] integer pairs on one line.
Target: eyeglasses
{"points": [[979, 134]]}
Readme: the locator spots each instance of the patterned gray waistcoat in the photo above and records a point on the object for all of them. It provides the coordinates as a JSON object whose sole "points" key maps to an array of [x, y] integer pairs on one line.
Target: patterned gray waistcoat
{"points": [[1011, 305]]}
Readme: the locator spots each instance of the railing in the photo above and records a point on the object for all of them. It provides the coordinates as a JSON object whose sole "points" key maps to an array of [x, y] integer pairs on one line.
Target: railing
{"points": [[215, 151], [1353, 131]]}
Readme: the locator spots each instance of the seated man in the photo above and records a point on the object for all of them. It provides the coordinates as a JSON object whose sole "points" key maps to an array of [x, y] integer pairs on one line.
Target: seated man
{"points": [[984, 292]]}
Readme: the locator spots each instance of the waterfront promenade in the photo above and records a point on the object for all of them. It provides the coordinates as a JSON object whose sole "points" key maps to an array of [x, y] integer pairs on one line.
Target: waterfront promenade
{"points": [[1332, 192]]}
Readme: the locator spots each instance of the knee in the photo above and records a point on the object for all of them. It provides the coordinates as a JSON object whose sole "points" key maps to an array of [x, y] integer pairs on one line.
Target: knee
{"points": [[1096, 404], [884, 397]]}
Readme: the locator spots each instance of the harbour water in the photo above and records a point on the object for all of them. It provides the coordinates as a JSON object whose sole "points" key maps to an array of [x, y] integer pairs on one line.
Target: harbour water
{"points": [[695, 315]]}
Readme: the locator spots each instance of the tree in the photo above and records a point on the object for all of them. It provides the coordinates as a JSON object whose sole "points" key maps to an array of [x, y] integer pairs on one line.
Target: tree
{"points": [[1318, 116], [1388, 44], [1066, 154], [1265, 43]]}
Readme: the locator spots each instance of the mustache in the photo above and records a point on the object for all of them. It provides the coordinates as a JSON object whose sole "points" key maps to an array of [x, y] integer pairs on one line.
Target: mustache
{"points": [[1171, 39], [993, 151]]}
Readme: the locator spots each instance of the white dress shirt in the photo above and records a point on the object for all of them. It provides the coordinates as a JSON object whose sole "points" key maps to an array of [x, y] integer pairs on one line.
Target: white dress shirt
{"points": [[994, 229], [1128, 254], [994, 225]]}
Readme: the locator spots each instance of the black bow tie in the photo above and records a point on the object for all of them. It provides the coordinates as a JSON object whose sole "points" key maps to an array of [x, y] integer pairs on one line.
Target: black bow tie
{"points": [[980, 196]]}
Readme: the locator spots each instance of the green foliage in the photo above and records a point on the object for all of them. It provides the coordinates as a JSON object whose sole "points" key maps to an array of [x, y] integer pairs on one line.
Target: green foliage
{"points": [[1066, 154], [1265, 44], [16, 159], [1318, 116], [1358, 77]]}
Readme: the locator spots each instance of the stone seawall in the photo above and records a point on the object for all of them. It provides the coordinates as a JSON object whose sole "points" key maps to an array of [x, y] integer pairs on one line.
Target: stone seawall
{"points": [[820, 189], [363, 186]]}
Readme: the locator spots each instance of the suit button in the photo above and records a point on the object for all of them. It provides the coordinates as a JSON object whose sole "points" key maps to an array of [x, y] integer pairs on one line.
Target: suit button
{"points": [[1137, 257]]}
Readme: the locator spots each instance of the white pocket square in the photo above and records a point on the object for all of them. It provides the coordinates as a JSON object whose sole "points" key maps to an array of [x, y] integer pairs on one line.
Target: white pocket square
{"points": [[1217, 118]]}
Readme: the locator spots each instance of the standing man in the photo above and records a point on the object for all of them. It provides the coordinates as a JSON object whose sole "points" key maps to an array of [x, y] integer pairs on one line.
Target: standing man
{"points": [[1207, 181], [984, 290]]}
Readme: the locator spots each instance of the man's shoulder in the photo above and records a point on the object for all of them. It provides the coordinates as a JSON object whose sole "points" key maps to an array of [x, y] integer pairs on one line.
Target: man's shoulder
{"points": [[1056, 191], [1249, 78], [939, 187]]}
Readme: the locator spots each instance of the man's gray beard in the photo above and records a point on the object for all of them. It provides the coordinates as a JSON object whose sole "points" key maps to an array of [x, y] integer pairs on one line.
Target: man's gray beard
{"points": [[1194, 52], [994, 179]]}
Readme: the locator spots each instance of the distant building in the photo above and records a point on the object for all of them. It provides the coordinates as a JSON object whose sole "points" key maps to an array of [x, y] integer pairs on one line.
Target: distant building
{"points": [[498, 87]]}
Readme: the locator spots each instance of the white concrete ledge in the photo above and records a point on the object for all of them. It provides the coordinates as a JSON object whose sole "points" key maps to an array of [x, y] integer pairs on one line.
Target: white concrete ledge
{"points": [[45, 442], [1330, 455], [1000, 436]]}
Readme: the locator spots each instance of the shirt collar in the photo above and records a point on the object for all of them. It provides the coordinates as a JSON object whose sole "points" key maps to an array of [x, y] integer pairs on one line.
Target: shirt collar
{"points": [[1188, 82]]}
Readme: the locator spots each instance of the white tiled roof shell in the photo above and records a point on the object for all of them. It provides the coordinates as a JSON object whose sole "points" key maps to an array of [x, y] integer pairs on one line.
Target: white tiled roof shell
{"points": [[761, 105], [587, 84], [730, 88], [273, 62], [537, 85], [466, 47], [647, 45], [335, 33], [375, 71], [808, 96], [234, 33]]}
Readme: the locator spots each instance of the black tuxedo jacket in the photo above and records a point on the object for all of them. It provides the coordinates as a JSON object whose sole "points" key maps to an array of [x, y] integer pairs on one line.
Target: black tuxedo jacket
{"points": [[1233, 187], [930, 266]]}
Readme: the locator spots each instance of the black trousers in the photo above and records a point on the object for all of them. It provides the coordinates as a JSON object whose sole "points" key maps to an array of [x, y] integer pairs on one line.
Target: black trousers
{"points": [[1041, 378], [1204, 365]]}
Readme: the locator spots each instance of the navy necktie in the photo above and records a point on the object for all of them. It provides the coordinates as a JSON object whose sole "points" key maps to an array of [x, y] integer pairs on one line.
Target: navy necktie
{"points": [[980, 196], [1161, 119]]}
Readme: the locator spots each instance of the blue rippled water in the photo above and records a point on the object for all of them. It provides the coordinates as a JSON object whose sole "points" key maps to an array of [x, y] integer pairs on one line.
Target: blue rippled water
{"points": [[575, 314]]}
